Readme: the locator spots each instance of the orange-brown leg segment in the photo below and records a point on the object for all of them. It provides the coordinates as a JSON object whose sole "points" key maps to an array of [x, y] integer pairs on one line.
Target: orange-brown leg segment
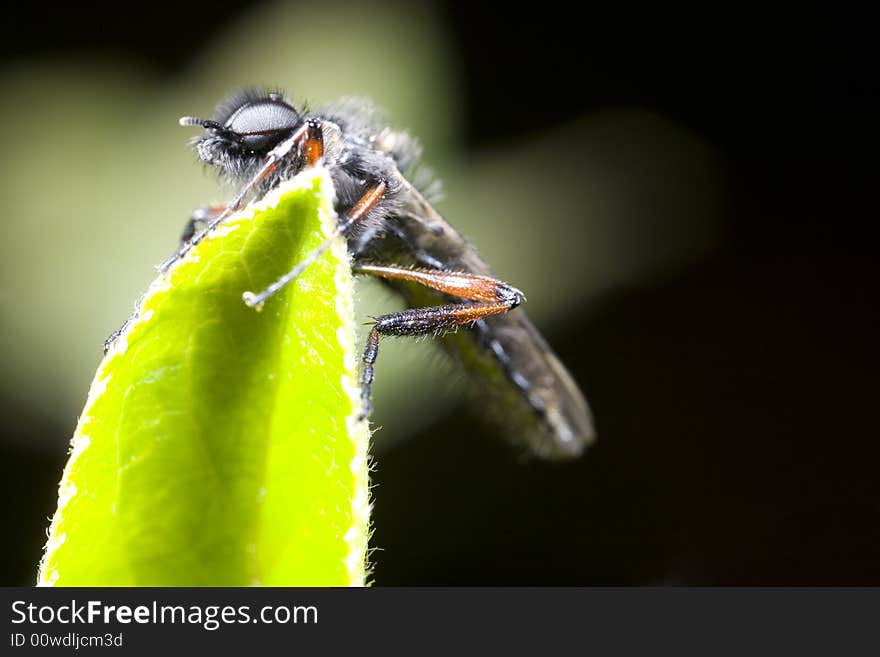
{"points": [[490, 297], [456, 284], [313, 146]]}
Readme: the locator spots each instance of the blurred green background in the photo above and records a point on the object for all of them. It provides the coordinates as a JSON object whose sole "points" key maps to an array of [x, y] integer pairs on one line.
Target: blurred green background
{"points": [[640, 175]]}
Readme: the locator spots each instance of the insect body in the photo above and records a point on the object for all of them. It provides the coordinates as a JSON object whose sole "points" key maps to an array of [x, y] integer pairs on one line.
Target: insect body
{"points": [[395, 234]]}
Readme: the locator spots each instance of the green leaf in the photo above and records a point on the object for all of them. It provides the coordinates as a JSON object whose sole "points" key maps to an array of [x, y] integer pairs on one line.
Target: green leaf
{"points": [[219, 445]]}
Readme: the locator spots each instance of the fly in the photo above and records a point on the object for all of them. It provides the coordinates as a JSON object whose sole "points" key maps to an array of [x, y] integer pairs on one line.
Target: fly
{"points": [[394, 233]]}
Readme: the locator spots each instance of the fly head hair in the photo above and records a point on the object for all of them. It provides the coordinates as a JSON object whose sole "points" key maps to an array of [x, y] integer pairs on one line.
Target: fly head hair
{"points": [[244, 128]]}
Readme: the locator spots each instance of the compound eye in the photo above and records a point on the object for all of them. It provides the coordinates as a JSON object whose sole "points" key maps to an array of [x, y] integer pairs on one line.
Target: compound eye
{"points": [[263, 124]]}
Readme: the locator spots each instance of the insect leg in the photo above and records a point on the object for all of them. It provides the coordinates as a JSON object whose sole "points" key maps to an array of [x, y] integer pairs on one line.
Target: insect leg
{"points": [[309, 136], [113, 337], [200, 217], [463, 285], [358, 211], [313, 146], [491, 297]]}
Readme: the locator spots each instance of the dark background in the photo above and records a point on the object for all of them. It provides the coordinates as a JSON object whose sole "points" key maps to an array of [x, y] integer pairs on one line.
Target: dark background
{"points": [[735, 399]]}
